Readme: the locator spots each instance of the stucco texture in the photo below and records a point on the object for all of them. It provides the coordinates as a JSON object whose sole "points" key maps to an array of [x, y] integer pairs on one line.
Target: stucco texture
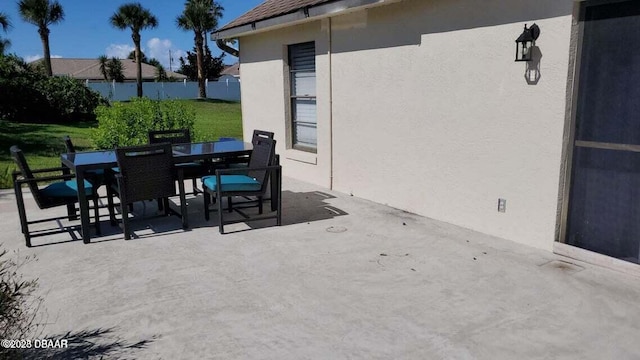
{"points": [[425, 109]]}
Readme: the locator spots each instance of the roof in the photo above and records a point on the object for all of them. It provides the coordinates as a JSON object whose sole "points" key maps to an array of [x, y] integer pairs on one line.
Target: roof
{"points": [[89, 69], [233, 70], [277, 13], [270, 9]]}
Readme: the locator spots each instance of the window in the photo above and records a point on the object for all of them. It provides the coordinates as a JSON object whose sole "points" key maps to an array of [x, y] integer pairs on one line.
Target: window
{"points": [[302, 93]]}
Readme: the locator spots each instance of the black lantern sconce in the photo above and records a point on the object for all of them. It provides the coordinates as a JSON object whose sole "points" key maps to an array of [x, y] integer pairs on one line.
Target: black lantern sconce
{"points": [[526, 41]]}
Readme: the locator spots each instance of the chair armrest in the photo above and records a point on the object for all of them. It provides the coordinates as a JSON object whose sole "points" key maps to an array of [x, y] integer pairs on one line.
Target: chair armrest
{"points": [[277, 168], [17, 173], [45, 178], [38, 171]]}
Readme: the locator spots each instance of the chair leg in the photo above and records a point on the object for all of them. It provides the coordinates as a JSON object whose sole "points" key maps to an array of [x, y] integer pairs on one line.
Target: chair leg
{"points": [[22, 213], [125, 220], [220, 220], [260, 205], [160, 204], [195, 188], [71, 211], [279, 200], [167, 211], [183, 205], [96, 213], [207, 201], [111, 206], [229, 204]]}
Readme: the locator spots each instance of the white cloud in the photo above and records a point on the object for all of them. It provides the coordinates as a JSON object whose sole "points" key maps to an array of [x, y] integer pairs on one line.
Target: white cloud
{"points": [[120, 51], [31, 58], [156, 48], [160, 48]]}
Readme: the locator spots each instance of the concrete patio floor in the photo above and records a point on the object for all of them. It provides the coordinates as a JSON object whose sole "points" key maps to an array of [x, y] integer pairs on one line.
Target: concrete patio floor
{"points": [[343, 278]]}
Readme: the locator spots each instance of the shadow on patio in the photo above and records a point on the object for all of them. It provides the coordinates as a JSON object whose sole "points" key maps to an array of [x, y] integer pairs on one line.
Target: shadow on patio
{"points": [[98, 343], [297, 208]]}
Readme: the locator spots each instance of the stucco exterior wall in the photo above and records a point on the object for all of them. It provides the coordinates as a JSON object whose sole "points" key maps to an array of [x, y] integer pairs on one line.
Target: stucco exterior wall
{"points": [[430, 113]]}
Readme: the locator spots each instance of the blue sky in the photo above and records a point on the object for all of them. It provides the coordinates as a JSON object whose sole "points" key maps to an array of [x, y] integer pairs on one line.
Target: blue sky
{"points": [[86, 32]]}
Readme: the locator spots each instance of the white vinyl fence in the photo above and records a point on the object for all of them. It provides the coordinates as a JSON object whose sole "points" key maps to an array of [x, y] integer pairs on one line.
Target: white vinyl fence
{"points": [[222, 90]]}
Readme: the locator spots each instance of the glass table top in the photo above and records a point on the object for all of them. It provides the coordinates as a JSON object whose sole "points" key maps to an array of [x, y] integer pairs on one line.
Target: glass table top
{"points": [[204, 149]]}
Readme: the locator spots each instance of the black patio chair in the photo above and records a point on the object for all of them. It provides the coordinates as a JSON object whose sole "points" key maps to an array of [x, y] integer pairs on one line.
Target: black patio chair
{"points": [[146, 173], [243, 161], [97, 177], [261, 134], [61, 190], [191, 170], [250, 181]]}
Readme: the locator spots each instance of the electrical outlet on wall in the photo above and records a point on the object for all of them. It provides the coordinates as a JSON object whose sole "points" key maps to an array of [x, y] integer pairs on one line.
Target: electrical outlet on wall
{"points": [[502, 205]]}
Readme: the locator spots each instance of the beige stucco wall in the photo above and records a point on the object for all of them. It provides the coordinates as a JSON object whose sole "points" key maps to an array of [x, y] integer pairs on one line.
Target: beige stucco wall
{"points": [[264, 101], [430, 113]]}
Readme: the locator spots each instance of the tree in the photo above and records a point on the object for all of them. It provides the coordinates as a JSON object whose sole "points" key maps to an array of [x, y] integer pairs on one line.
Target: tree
{"points": [[103, 60], [29, 95], [111, 69], [42, 13], [200, 16], [212, 66], [5, 24], [133, 16], [161, 73], [132, 56], [153, 62], [115, 70]]}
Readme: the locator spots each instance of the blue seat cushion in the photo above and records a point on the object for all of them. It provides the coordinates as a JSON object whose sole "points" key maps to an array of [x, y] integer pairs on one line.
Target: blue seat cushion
{"points": [[67, 188], [232, 183]]}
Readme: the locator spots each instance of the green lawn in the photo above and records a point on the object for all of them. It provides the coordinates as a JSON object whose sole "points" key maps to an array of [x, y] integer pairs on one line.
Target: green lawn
{"points": [[42, 143]]}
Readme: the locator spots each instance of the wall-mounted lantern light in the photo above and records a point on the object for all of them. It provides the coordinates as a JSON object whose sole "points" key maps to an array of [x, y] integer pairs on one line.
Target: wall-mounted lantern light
{"points": [[526, 41]]}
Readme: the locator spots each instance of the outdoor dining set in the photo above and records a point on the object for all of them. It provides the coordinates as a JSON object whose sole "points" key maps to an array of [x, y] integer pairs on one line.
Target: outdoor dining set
{"points": [[226, 168]]}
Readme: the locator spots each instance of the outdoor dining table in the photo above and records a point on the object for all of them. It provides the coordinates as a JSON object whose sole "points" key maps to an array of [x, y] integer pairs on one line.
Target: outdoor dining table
{"points": [[80, 162]]}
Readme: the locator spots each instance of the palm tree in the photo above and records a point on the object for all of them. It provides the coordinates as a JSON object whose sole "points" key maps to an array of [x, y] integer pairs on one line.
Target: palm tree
{"points": [[161, 73], [200, 16], [5, 24], [42, 13], [153, 62], [133, 16], [132, 56], [103, 60], [115, 69]]}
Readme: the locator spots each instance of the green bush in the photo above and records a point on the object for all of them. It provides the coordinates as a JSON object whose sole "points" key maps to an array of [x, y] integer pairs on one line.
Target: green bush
{"points": [[126, 124], [20, 99], [69, 99], [30, 96]]}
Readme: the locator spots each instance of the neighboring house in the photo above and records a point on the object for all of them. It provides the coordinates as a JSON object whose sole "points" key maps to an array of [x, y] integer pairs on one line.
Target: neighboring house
{"points": [[230, 73], [420, 105], [89, 69]]}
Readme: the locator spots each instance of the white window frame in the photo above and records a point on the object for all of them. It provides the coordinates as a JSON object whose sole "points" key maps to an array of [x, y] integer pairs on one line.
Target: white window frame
{"points": [[293, 99]]}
